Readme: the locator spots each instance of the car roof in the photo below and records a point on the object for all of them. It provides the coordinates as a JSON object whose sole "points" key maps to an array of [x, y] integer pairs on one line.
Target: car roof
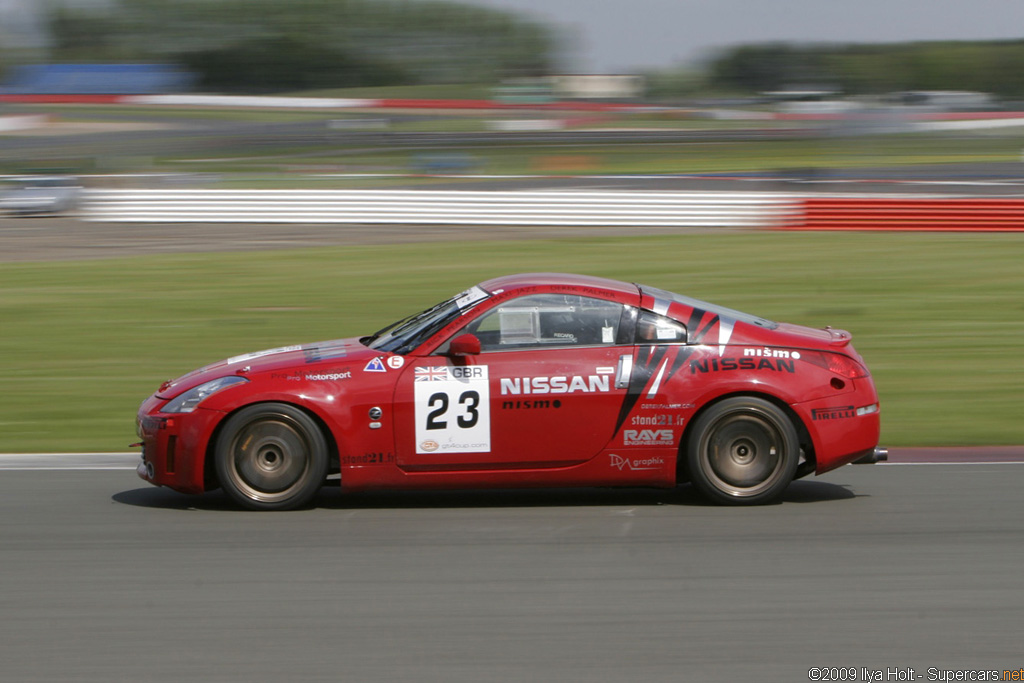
{"points": [[512, 282]]}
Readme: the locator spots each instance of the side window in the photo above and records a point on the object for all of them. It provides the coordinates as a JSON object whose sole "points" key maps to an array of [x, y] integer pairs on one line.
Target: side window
{"points": [[550, 321], [652, 328]]}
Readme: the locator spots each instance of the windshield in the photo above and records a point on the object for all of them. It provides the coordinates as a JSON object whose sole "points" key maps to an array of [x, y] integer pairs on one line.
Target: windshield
{"points": [[405, 335]]}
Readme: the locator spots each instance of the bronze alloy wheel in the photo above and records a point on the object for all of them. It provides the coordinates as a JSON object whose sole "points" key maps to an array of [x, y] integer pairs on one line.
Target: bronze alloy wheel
{"points": [[271, 456], [743, 451]]}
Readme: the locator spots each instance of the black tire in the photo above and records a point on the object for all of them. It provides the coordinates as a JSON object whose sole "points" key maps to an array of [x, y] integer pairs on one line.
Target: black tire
{"points": [[743, 451], [271, 456]]}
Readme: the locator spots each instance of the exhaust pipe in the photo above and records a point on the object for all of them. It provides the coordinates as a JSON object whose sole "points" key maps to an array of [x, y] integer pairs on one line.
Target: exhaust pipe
{"points": [[879, 454], [146, 470]]}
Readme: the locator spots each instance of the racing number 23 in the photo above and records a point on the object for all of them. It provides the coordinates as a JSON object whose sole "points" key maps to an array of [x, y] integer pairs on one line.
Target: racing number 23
{"points": [[453, 413], [467, 419]]}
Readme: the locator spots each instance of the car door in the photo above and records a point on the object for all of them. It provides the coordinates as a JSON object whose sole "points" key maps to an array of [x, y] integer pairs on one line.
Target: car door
{"points": [[545, 390]]}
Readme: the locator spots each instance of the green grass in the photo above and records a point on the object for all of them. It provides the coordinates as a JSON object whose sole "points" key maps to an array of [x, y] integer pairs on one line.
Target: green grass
{"points": [[939, 318]]}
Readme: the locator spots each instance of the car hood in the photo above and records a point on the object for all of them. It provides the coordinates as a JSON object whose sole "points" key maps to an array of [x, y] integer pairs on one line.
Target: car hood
{"points": [[35, 195], [273, 360]]}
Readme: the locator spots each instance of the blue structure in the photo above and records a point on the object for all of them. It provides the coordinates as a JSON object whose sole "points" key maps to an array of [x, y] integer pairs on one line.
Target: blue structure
{"points": [[97, 79]]}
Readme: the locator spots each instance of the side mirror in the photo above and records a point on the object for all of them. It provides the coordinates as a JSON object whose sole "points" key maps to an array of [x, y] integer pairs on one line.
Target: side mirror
{"points": [[464, 345]]}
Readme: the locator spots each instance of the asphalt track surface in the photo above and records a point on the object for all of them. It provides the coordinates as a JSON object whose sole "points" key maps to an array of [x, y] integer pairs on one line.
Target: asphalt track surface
{"points": [[105, 578], [60, 239]]}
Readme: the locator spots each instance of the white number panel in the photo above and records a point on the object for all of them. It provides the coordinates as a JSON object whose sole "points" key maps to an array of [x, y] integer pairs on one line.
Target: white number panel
{"points": [[453, 409]]}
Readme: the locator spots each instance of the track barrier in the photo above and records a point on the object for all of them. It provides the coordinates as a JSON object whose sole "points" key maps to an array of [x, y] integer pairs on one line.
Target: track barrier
{"points": [[909, 214], [427, 207], [764, 210]]}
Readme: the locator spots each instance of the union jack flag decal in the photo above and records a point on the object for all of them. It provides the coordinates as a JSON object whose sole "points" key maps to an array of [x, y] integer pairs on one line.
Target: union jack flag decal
{"points": [[431, 374]]}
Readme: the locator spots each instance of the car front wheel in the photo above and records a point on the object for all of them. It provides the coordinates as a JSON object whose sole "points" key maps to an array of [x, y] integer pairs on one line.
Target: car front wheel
{"points": [[271, 456], [743, 451]]}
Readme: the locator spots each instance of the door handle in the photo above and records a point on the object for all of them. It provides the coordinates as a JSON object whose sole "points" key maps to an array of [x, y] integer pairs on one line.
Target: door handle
{"points": [[624, 371]]}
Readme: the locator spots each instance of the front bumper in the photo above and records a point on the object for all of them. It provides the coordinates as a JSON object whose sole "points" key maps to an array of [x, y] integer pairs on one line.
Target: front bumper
{"points": [[174, 446]]}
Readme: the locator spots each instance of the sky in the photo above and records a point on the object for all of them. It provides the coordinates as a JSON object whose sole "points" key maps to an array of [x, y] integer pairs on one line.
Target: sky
{"points": [[625, 36]]}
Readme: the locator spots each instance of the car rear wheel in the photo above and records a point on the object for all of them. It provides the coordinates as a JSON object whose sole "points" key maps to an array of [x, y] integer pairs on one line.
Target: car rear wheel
{"points": [[271, 456], [743, 451]]}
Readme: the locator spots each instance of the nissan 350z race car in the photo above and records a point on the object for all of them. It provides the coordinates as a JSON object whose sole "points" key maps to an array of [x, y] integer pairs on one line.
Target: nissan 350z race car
{"points": [[523, 381]]}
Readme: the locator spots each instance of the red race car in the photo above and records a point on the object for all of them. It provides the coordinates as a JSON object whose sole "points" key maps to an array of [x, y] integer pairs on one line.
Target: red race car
{"points": [[527, 380]]}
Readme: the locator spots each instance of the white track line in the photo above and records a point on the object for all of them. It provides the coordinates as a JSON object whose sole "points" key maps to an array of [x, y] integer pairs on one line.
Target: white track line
{"points": [[68, 461]]}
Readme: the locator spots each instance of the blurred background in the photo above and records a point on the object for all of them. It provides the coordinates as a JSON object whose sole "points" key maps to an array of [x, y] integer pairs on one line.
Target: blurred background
{"points": [[661, 87], [686, 133]]}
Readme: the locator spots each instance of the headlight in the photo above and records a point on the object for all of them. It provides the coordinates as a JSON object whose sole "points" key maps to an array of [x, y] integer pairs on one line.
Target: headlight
{"points": [[188, 401]]}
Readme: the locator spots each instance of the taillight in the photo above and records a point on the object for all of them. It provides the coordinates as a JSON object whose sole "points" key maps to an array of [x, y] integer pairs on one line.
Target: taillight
{"points": [[844, 366]]}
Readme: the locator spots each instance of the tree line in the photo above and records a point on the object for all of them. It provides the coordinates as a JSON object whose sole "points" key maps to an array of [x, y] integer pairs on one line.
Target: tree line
{"points": [[995, 67], [269, 45]]}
